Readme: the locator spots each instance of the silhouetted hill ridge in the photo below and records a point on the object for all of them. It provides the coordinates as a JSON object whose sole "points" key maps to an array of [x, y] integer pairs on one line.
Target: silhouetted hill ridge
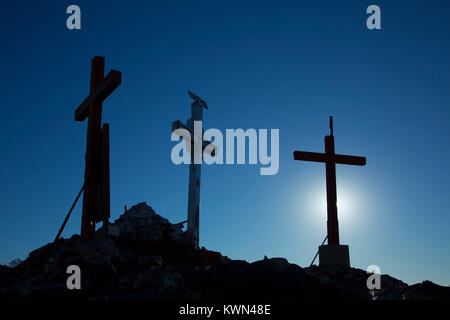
{"points": [[144, 256]]}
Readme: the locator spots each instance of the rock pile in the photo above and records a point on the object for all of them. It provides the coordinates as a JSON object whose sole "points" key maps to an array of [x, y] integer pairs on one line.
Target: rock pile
{"points": [[141, 221], [144, 256], [353, 283]]}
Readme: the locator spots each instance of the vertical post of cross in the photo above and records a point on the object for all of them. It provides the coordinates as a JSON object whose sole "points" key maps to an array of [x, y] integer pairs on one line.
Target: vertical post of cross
{"points": [[104, 196], [332, 219], [92, 152], [193, 224]]}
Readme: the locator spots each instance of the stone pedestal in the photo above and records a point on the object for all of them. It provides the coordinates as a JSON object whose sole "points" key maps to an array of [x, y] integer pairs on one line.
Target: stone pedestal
{"points": [[334, 255]]}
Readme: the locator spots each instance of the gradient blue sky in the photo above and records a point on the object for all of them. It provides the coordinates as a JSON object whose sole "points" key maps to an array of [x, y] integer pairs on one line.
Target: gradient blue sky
{"points": [[258, 64]]}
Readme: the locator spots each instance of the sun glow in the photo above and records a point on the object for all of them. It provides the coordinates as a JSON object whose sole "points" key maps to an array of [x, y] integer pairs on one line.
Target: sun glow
{"points": [[309, 203], [350, 203], [346, 204]]}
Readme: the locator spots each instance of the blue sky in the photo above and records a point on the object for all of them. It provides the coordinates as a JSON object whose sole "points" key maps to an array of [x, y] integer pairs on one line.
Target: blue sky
{"points": [[258, 64]]}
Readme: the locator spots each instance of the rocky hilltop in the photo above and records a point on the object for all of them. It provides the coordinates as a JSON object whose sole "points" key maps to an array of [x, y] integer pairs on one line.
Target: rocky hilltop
{"points": [[144, 256]]}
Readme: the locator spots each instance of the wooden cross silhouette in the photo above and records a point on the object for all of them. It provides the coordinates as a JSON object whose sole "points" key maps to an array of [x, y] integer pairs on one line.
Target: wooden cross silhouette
{"points": [[91, 108], [330, 159]]}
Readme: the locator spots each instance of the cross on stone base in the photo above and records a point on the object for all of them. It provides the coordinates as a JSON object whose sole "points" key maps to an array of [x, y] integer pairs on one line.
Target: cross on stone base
{"points": [[334, 253]]}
